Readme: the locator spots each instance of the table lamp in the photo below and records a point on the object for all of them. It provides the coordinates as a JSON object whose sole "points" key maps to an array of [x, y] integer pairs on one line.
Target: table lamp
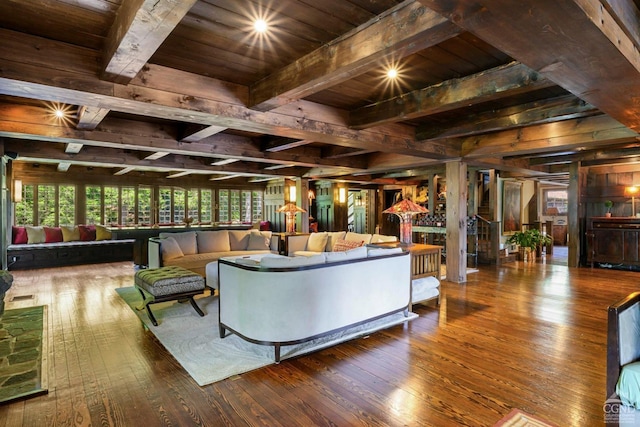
{"points": [[290, 210], [405, 209]]}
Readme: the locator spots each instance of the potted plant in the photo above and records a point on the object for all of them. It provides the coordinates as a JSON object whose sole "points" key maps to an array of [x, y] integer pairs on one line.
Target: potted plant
{"points": [[529, 241], [608, 204]]}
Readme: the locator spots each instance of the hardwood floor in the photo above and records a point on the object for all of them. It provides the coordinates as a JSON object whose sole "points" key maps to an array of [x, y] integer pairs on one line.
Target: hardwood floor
{"points": [[517, 336]]}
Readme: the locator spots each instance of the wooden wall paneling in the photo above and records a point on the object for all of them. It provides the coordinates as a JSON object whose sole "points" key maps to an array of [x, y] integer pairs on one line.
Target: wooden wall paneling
{"points": [[274, 197]]}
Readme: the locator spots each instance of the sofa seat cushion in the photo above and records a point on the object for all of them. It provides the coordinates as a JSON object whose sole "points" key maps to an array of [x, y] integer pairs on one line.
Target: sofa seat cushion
{"points": [[198, 262], [424, 288]]}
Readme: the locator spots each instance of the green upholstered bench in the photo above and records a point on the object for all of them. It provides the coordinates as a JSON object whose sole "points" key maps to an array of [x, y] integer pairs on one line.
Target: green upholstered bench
{"points": [[168, 284]]}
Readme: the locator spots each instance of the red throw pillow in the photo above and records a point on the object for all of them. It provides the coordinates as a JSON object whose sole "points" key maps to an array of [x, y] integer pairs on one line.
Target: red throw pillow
{"points": [[52, 234], [19, 235], [345, 245], [87, 232]]}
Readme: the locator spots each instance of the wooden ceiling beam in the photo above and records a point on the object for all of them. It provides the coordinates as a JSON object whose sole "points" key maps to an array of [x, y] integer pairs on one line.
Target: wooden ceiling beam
{"points": [[529, 114], [193, 133], [496, 83], [586, 133], [90, 117], [575, 48], [103, 157], [158, 97], [24, 122], [139, 29], [274, 145], [399, 32]]}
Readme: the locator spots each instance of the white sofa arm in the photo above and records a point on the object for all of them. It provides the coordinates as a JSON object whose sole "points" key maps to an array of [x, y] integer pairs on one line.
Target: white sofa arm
{"points": [[155, 252], [296, 242], [274, 243]]}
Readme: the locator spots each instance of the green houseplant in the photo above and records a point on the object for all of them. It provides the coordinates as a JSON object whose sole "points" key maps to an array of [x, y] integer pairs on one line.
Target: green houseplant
{"points": [[608, 204], [529, 240]]}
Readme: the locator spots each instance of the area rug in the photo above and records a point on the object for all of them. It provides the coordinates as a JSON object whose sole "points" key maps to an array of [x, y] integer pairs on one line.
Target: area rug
{"points": [[517, 418], [23, 353], [195, 342]]}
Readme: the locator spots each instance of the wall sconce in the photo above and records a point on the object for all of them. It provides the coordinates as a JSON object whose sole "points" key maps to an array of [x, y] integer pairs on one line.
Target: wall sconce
{"points": [[311, 195], [342, 195], [17, 190], [292, 194]]}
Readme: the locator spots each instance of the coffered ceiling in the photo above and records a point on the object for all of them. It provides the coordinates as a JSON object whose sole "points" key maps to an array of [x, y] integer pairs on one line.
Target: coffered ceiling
{"points": [[190, 88]]}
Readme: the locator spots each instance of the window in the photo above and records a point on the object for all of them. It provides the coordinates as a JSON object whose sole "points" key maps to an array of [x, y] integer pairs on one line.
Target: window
{"points": [[193, 203], [557, 199], [111, 205], [256, 207], [93, 204], [144, 206], [205, 206], [179, 205], [234, 206], [66, 204], [223, 206], [164, 210], [47, 205], [128, 206], [24, 209]]}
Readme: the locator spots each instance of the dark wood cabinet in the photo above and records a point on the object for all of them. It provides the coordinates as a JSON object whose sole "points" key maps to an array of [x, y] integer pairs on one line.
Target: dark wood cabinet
{"points": [[559, 233], [613, 241]]}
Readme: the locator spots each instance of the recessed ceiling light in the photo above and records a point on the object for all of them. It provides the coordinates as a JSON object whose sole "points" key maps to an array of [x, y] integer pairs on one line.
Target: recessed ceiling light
{"points": [[392, 73], [59, 113], [260, 25]]}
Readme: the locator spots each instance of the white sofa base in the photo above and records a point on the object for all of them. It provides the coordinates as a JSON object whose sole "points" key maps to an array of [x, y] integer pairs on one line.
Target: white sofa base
{"points": [[284, 306]]}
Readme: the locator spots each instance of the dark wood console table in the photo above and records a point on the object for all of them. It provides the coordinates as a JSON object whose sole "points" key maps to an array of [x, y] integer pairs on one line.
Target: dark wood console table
{"points": [[614, 241]]}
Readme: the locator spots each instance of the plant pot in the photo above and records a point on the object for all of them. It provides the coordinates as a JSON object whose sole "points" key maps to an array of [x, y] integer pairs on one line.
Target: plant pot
{"points": [[526, 254], [608, 215]]}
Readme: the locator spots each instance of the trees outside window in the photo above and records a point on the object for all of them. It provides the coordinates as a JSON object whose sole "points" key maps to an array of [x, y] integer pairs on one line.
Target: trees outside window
{"points": [[93, 204], [179, 205], [66, 204], [144, 206], [206, 206], [128, 206], [47, 205], [223, 206], [164, 206], [111, 196], [24, 210]]}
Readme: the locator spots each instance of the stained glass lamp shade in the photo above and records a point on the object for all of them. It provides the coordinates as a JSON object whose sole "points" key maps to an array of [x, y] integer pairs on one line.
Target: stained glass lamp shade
{"points": [[405, 210], [290, 210]]}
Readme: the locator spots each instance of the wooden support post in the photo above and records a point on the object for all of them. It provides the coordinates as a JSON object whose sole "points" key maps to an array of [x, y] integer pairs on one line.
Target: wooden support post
{"points": [[472, 202], [573, 216], [457, 222], [302, 200], [493, 195]]}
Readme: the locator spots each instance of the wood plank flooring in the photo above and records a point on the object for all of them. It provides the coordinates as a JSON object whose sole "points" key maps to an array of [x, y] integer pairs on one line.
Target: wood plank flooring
{"points": [[528, 336]]}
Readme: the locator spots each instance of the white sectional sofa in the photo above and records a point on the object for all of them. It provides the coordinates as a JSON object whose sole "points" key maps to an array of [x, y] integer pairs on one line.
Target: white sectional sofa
{"points": [[315, 243], [193, 250], [277, 300]]}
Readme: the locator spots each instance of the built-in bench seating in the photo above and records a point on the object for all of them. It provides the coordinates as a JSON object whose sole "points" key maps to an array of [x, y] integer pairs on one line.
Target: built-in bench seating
{"points": [[23, 255]]}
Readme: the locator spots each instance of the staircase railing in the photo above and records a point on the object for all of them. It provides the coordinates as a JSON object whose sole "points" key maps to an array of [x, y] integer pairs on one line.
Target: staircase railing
{"points": [[488, 233]]}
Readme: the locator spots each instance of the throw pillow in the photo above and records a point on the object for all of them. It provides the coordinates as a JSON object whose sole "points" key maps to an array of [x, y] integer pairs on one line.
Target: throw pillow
{"points": [[317, 242], [52, 234], [345, 245], [70, 233], [186, 241], [102, 233], [258, 242], [238, 240], [19, 235], [333, 237], [87, 233], [170, 249], [213, 241], [35, 234]]}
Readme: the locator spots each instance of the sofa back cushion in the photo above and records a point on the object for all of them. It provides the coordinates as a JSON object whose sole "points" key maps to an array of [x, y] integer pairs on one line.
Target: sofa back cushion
{"points": [[333, 237], [276, 261], [356, 253], [35, 234], [381, 238], [238, 240], [258, 242], [317, 242], [52, 234], [213, 241], [70, 233], [170, 249], [357, 237], [186, 240], [19, 235]]}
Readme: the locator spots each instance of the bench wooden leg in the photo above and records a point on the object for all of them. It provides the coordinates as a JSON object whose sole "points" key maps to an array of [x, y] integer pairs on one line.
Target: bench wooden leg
{"points": [[146, 304]]}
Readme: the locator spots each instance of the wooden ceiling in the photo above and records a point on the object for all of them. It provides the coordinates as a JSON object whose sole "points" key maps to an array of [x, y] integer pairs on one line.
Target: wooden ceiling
{"points": [[188, 86]]}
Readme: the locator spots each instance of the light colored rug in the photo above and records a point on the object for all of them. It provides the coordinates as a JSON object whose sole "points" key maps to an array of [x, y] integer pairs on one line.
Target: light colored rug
{"points": [[517, 418], [195, 342]]}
